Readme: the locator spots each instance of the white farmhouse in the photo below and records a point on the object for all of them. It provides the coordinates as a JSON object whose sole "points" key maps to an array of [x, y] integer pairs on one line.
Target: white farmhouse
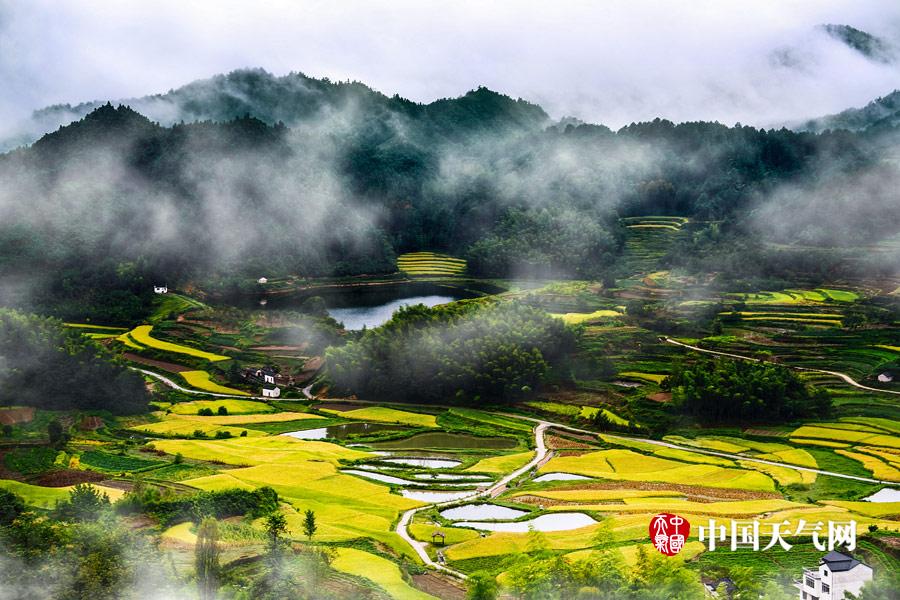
{"points": [[262, 280], [837, 574], [160, 289], [273, 392]]}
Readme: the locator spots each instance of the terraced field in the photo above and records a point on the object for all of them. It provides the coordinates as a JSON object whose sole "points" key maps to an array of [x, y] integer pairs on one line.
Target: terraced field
{"points": [[430, 263], [140, 335], [201, 381], [648, 240]]}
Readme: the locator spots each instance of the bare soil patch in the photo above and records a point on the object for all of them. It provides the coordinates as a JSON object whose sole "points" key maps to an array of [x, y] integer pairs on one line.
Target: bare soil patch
{"points": [[11, 416], [660, 397], [558, 443], [90, 423], [66, 477], [159, 364], [438, 586]]}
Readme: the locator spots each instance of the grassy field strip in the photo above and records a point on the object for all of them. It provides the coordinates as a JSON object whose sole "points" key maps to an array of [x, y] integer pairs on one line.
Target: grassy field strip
{"points": [[825, 443], [878, 468], [244, 419], [629, 553], [823, 431], [884, 424], [179, 428], [666, 452], [126, 339], [47, 497], [234, 407], [783, 475], [181, 533], [141, 335], [595, 495], [891, 348], [573, 318], [589, 412], [651, 377], [89, 326], [201, 381], [380, 571], [387, 415], [501, 464]]}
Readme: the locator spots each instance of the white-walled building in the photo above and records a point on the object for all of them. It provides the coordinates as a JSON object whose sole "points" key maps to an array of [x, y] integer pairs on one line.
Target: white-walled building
{"points": [[837, 573], [274, 392], [160, 289]]}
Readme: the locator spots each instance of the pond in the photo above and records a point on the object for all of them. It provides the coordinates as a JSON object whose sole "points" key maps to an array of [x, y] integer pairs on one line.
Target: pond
{"points": [[344, 430], [357, 317], [885, 495], [432, 497], [448, 440], [428, 463], [399, 481], [489, 512], [551, 522], [559, 477]]}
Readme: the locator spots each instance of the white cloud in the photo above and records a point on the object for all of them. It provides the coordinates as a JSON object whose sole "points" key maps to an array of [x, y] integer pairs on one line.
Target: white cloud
{"points": [[614, 62]]}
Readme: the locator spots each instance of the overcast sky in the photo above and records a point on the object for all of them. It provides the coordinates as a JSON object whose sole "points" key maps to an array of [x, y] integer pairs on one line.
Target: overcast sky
{"points": [[754, 61]]}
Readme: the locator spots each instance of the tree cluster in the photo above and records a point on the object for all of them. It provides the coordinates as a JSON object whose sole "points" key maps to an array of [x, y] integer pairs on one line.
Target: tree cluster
{"points": [[466, 352], [723, 390], [48, 366]]}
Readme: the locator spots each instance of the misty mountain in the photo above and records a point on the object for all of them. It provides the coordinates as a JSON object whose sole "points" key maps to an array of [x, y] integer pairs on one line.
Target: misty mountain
{"points": [[93, 213], [880, 113], [295, 99], [872, 47]]}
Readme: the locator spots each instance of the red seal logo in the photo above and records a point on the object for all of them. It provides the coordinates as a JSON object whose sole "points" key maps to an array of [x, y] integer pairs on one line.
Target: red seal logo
{"points": [[669, 532]]}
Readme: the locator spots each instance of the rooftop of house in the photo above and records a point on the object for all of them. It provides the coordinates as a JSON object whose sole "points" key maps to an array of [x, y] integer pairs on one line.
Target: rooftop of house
{"points": [[837, 561]]}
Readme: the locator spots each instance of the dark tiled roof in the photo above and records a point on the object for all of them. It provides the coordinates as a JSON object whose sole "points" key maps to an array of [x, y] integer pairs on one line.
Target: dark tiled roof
{"points": [[839, 562]]}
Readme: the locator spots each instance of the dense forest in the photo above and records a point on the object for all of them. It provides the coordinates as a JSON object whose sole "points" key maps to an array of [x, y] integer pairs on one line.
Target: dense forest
{"points": [[466, 352], [45, 365], [332, 179], [731, 391]]}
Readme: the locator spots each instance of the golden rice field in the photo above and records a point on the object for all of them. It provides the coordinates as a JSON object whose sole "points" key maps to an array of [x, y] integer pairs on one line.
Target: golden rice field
{"points": [[501, 464], [141, 335], [575, 318], [233, 406], [380, 571], [626, 465], [201, 381], [130, 343], [876, 466], [430, 263], [47, 497], [651, 377], [836, 432], [246, 419], [387, 415], [305, 473], [183, 428]]}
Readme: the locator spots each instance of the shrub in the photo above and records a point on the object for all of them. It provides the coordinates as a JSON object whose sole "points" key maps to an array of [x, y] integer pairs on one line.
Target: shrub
{"points": [[223, 411], [207, 412]]}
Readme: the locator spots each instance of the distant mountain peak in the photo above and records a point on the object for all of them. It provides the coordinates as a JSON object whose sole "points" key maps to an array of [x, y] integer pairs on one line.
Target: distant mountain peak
{"points": [[872, 47]]}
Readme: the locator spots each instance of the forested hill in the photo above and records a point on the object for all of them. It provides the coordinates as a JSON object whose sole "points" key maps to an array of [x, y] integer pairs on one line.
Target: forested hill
{"points": [[295, 99], [881, 113], [92, 213]]}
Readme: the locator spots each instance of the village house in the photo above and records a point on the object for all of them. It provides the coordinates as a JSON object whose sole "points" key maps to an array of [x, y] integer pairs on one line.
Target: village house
{"points": [[837, 573], [160, 289]]}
